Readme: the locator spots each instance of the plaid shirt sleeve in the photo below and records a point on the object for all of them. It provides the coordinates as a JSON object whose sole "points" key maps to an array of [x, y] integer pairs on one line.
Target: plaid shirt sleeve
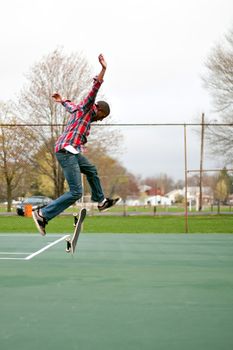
{"points": [[70, 106], [89, 100]]}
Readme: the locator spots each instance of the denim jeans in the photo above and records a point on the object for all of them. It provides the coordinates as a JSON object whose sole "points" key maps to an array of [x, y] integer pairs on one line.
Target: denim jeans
{"points": [[73, 165]]}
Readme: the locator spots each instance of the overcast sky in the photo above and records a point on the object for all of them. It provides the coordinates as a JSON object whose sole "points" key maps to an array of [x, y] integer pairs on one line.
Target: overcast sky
{"points": [[155, 52]]}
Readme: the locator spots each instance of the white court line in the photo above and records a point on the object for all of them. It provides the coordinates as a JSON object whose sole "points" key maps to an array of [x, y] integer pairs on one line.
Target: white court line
{"points": [[45, 248], [12, 258], [12, 253]]}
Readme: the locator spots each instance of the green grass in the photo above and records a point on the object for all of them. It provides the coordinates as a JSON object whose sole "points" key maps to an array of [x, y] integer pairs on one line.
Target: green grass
{"points": [[128, 224]]}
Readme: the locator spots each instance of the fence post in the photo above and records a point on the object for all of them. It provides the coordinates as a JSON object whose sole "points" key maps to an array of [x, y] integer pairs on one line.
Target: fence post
{"points": [[186, 180], [155, 210]]}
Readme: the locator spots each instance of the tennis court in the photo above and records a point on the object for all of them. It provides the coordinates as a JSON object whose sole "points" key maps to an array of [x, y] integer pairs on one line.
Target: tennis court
{"points": [[119, 291]]}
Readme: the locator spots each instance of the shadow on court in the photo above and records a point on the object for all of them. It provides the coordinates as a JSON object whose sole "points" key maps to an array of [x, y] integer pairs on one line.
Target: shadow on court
{"points": [[121, 291]]}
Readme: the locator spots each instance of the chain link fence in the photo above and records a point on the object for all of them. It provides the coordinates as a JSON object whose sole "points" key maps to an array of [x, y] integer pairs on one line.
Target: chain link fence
{"points": [[182, 180]]}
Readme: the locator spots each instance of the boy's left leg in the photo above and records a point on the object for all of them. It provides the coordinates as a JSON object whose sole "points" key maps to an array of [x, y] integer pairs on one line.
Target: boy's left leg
{"points": [[91, 173], [94, 181]]}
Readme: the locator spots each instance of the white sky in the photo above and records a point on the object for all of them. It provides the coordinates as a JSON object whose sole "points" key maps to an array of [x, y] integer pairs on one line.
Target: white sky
{"points": [[155, 52]]}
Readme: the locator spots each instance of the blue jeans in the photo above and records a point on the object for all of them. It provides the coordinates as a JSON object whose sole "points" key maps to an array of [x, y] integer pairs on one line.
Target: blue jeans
{"points": [[73, 165]]}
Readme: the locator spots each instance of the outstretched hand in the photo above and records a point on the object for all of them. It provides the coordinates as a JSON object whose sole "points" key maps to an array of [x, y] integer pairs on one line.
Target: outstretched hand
{"points": [[102, 61], [57, 97]]}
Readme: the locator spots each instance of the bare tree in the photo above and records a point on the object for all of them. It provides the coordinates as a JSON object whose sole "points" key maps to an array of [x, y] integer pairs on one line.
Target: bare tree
{"points": [[219, 81], [13, 158], [159, 184], [71, 77]]}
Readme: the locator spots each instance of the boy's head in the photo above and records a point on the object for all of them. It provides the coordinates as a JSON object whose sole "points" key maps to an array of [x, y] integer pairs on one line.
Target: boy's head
{"points": [[103, 110]]}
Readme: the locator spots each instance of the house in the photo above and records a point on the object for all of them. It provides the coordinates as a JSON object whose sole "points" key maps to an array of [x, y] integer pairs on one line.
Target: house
{"points": [[153, 196], [157, 200], [174, 194], [193, 193]]}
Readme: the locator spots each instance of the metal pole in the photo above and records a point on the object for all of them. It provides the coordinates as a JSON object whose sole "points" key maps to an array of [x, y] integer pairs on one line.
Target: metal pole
{"points": [[201, 162], [82, 198], [207, 170], [186, 180]]}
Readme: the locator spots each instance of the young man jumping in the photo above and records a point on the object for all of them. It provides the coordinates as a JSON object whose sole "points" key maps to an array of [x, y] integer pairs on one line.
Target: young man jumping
{"points": [[68, 150]]}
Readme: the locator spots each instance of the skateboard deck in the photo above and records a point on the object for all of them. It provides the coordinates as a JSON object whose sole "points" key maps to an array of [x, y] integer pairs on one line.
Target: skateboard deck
{"points": [[78, 220]]}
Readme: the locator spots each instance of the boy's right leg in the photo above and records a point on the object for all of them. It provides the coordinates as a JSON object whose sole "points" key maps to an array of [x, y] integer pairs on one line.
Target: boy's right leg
{"points": [[40, 222], [70, 166]]}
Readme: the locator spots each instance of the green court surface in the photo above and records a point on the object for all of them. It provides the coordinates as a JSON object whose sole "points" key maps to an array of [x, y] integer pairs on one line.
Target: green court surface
{"points": [[119, 291]]}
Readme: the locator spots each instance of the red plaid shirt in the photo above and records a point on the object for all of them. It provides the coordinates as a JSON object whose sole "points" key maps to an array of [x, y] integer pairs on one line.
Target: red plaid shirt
{"points": [[79, 122]]}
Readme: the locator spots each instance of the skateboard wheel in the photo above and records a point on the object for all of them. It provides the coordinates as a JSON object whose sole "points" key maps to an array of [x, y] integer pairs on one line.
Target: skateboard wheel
{"points": [[68, 245]]}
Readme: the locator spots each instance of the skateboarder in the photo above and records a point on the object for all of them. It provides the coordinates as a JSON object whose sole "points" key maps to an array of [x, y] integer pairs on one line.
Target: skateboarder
{"points": [[68, 151]]}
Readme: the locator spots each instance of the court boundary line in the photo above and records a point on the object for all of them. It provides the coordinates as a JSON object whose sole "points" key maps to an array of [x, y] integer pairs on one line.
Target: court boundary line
{"points": [[12, 258], [12, 253], [31, 256]]}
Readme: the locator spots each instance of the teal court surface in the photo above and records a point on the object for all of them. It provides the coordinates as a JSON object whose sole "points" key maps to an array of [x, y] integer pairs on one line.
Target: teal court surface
{"points": [[119, 291]]}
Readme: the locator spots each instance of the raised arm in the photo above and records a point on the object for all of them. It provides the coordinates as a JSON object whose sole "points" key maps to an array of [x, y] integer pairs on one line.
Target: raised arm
{"points": [[89, 100], [69, 106], [104, 67]]}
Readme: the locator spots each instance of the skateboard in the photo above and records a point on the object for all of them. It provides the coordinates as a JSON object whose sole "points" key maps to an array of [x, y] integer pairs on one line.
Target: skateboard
{"points": [[78, 220]]}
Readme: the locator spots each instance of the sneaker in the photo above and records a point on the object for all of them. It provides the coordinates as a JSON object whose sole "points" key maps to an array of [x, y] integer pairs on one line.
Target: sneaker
{"points": [[40, 222], [108, 204]]}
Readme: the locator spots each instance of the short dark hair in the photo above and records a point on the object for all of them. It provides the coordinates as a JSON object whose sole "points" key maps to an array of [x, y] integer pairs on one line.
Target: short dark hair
{"points": [[104, 107]]}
